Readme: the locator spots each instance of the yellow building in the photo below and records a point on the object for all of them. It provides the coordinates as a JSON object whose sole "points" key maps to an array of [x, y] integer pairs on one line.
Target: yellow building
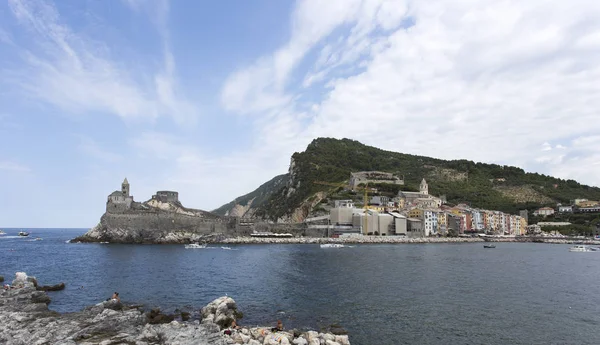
{"points": [[415, 213], [442, 220], [587, 203], [523, 227]]}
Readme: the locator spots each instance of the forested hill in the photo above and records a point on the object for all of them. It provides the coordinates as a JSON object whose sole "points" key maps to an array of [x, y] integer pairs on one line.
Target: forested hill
{"points": [[488, 186]]}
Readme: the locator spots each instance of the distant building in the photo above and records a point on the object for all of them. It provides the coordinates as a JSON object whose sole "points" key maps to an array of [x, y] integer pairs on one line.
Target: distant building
{"points": [[594, 209], [119, 201], [565, 209], [414, 227], [553, 223], [343, 203], [366, 177], [166, 196], [587, 203], [544, 211], [524, 214], [534, 229]]}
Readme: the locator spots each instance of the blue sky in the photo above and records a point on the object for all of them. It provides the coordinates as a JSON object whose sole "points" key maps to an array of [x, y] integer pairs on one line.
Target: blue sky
{"points": [[212, 98]]}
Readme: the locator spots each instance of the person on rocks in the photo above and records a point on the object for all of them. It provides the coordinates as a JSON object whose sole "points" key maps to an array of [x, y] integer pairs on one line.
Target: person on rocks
{"points": [[116, 297], [6, 287], [234, 325], [279, 327]]}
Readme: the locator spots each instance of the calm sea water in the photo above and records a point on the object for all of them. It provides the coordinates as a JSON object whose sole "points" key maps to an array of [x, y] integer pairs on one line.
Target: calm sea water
{"points": [[382, 294]]}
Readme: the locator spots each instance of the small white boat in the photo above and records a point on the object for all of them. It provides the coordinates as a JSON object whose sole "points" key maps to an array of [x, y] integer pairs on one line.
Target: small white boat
{"points": [[581, 248], [38, 239], [195, 246], [332, 245], [2, 233], [23, 233]]}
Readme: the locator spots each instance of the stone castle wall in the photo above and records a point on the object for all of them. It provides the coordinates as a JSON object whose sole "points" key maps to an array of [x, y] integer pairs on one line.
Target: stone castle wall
{"points": [[165, 221]]}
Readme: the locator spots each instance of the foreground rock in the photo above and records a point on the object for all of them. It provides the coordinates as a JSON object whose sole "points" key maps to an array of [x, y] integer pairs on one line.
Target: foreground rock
{"points": [[223, 311], [25, 319]]}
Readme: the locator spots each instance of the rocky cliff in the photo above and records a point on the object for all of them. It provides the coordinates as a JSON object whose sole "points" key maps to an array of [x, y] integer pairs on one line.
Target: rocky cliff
{"points": [[295, 195]]}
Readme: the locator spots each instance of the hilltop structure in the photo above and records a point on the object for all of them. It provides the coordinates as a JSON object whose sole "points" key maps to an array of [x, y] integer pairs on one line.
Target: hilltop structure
{"points": [[120, 200], [163, 219], [421, 198], [366, 177]]}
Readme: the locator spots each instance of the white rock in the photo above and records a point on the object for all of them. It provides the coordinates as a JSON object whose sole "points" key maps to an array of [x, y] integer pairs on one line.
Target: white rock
{"points": [[254, 342], [310, 335], [300, 341], [342, 339], [245, 338], [331, 342], [327, 336]]}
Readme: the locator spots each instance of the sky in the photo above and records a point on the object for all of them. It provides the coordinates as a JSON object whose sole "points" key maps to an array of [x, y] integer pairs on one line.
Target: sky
{"points": [[211, 98]]}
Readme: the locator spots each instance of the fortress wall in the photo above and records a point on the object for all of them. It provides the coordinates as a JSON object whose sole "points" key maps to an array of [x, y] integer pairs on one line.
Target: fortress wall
{"points": [[164, 222]]}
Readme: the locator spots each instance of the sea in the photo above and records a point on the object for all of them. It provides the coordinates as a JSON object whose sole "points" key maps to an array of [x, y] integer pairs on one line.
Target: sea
{"points": [[516, 293]]}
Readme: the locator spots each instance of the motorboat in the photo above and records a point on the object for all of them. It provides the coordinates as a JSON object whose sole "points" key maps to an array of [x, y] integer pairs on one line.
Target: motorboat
{"points": [[489, 246], [2, 233], [38, 239], [582, 248], [23, 233], [332, 245], [195, 246]]}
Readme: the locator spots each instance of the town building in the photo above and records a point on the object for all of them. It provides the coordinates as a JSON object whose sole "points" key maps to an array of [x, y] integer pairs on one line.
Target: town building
{"points": [[544, 211], [565, 209], [414, 228], [366, 177]]}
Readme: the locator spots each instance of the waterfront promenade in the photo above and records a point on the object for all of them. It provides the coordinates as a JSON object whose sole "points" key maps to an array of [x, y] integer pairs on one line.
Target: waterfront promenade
{"points": [[400, 240]]}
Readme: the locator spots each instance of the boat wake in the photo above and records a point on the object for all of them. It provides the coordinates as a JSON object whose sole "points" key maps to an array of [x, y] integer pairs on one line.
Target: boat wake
{"points": [[228, 248]]}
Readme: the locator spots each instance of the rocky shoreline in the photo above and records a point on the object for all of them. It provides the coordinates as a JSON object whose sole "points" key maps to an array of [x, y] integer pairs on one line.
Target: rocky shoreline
{"points": [[26, 319], [184, 238]]}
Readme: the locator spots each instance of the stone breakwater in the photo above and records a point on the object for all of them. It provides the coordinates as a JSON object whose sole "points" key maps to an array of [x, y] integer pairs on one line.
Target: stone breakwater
{"points": [[348, 240], [26, 319]]}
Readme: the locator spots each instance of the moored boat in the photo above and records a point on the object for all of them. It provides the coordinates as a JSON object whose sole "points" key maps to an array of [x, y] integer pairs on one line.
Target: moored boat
{"points": [[332, 245], [195, 246], [582, 248], [23, 233], [489, 246]]}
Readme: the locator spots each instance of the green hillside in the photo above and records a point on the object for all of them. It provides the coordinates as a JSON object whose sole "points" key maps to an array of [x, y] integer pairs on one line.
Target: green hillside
{"points": [[258, 196], [488, 186]]}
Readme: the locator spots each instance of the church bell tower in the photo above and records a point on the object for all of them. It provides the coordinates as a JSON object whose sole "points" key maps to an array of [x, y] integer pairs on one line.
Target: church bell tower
{"points": [[125, 188], [424, 188]]}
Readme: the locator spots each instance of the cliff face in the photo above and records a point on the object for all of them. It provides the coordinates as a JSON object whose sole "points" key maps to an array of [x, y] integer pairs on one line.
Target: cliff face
{"points": [[295, 195], [156, 222], [246, 206]]}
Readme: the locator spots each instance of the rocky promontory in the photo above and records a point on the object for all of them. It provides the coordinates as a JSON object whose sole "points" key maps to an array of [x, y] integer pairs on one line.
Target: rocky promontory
{"points": [[26, 319]]}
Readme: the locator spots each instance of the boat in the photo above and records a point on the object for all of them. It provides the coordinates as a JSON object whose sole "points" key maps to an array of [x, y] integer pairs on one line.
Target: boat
{"points": [[2, 233], [332, 245], [489, 246], [23, 233], [582, 248], [195, 246], [37, 239]]}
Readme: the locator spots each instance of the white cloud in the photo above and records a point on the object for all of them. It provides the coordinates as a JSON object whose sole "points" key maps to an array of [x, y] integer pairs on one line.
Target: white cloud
{"points": [[77, 74], [483, 80], [92, 149], [204, 180], [13, 167]]}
